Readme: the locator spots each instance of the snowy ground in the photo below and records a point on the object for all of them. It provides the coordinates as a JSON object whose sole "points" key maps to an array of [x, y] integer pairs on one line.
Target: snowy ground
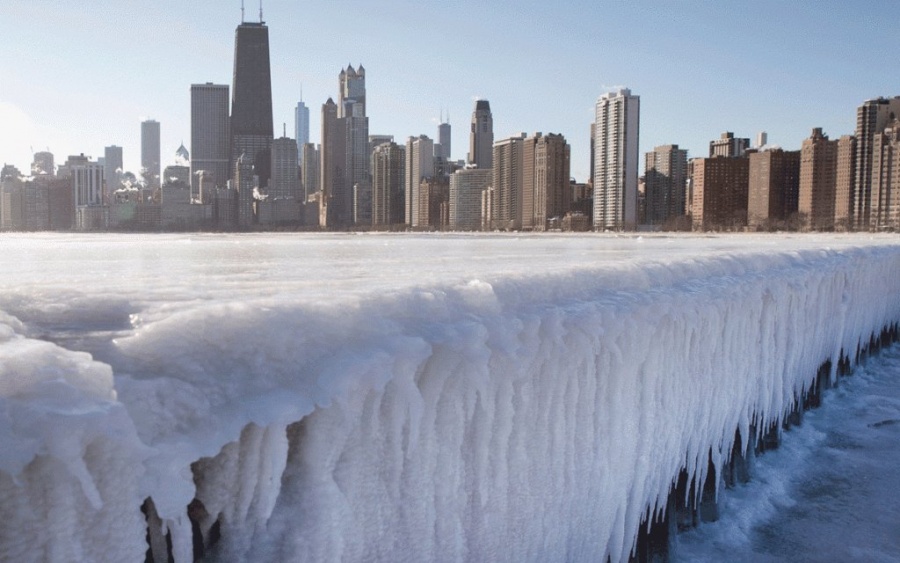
{"points": [[389, 398]]}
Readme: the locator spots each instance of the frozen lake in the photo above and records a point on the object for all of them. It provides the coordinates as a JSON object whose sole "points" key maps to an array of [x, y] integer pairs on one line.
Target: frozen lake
{"points": [[431, 397]]}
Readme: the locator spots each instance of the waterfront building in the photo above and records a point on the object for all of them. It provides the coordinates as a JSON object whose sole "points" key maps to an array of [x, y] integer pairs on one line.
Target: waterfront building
{"points": [[617, 123]]}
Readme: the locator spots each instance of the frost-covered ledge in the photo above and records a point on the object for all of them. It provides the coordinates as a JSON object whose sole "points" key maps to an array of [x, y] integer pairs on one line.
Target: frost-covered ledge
{"points": [[530, 419]]}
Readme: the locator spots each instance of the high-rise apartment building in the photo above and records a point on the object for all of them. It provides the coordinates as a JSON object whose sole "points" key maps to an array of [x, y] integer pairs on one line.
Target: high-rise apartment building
{"points": [[885, 205], [210, 136], [719, 186], [481, 136], [251, 125], [301, 128], [150, 153], [546, 186], [844, 182], [728, 145], [818, 169], [616, 133], [419, 165], [388, 177], [871, 118], [507, 190], [285, 180], [773, 188], [665, 184], [467, 187]]}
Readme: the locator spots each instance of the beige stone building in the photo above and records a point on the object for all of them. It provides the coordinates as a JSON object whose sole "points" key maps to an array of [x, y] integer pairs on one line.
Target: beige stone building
{"points": [[546, 191]]}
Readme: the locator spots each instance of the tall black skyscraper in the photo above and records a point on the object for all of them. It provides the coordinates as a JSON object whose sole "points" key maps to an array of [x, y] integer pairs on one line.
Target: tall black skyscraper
{"points": [[251, 102]]}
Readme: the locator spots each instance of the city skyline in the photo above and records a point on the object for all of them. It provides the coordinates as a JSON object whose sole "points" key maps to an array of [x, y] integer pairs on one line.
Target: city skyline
{"points": [[734, 68]]}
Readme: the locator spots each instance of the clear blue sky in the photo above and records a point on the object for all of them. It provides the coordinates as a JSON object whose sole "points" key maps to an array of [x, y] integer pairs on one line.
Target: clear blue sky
{"points": [[75, 77]]}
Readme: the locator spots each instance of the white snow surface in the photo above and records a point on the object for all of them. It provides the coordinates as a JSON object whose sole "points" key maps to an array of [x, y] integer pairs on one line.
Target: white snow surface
{"points": [[399, 397]]}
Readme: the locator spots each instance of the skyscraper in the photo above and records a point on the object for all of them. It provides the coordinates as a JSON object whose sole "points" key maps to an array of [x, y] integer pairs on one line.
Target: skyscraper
{"points": [[285, 180], [210, 137], [665, 184], [301, 128], [352, 91], [871, 118], [444, 140], [481, 136], [113, 168], [150, 153], [335, 203], [388, 176], [251, 103], [616, 132], [419, 166]]}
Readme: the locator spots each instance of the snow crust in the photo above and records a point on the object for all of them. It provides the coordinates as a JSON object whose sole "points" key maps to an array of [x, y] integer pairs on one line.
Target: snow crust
{"points": [[400, 398]]}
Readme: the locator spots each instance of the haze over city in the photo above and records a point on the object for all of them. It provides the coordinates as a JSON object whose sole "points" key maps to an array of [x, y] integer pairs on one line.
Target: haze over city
{"points": [[77, 78]]}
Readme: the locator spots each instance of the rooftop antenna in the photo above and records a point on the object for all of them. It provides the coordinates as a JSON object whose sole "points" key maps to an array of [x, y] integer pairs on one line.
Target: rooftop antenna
{"points": [[284, 124], [301, 91], [260, 12], [242, 11]]}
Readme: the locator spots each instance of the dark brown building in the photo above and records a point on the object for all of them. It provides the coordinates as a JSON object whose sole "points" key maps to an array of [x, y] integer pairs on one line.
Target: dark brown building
{"points": [[818, 174], [719, 193], [773, 189]]}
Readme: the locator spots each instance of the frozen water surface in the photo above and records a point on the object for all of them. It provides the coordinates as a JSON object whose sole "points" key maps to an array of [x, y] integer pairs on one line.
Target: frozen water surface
{"points": [[399, 397]]}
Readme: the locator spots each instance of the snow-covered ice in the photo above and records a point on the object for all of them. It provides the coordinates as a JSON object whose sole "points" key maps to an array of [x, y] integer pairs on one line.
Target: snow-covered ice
{"points": [[399, 397]]}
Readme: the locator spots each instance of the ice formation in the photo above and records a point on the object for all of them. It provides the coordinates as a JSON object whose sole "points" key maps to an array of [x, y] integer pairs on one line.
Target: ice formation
{"points": [[399, 398]]}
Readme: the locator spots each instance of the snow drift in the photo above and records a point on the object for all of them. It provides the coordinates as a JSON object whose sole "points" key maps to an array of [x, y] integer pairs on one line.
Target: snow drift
{"points": [[532, 406]]}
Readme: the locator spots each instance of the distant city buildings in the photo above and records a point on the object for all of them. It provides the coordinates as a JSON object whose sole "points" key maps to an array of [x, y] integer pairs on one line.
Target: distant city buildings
{"points": [[617, 122], [238, 176]]}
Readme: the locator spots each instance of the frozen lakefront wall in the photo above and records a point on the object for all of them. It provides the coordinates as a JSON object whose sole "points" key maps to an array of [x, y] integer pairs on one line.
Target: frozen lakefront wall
{"points": [[532, 418]]}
